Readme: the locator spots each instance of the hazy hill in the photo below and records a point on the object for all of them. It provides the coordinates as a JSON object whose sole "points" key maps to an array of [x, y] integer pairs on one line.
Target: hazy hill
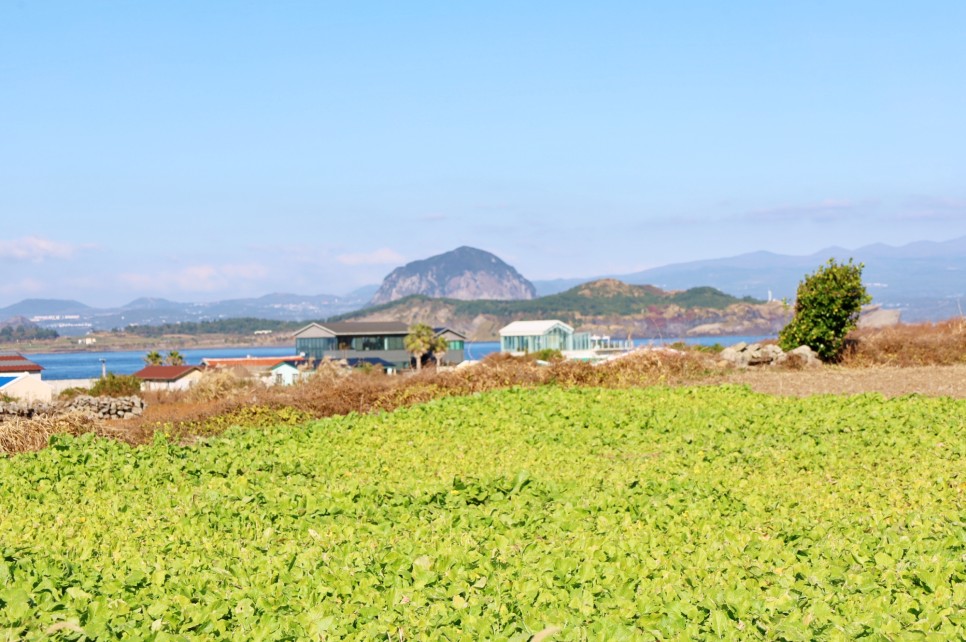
{"points": [[925, 279], [44, 307], [465, 273], [157, 311]]}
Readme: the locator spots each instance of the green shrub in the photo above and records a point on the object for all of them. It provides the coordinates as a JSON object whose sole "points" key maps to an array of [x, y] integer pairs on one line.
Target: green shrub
{"points": [[827, 308], [547, 354], [114, 385], [69, 393]]}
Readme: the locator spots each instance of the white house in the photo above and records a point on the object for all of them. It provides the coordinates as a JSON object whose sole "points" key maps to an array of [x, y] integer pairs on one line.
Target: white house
{"points": [[521, 337], [168, 377], [24, 387], [284, 374]]}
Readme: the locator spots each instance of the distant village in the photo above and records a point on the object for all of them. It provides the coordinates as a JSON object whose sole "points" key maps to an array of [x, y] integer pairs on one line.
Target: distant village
{"points": [[372, 345]]}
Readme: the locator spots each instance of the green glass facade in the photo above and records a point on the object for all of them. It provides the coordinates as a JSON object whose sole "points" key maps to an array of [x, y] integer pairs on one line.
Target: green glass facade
{"points": [[316, 348], [389, 346]]}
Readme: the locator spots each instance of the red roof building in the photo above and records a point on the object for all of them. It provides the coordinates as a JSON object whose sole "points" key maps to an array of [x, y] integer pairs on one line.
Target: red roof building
{"points": [[168, 377], [164, 373], [16, 362]]}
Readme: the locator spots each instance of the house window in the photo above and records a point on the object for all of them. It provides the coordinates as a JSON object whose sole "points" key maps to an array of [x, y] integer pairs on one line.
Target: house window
{"points": [[315, 348]]}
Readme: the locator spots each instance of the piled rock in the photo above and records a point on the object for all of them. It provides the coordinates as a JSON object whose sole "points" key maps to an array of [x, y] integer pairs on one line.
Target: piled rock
{"points": [[744, 355], [103, 407], [26, 410], [108, 407]]}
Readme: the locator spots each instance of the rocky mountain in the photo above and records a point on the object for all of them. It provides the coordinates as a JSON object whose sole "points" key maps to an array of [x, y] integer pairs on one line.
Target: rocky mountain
{"points": [[606, 306], [465, 273]]}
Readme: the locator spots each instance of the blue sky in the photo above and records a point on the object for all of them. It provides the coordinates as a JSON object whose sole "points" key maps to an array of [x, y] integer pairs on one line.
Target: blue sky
{"points": [[210, 150]]}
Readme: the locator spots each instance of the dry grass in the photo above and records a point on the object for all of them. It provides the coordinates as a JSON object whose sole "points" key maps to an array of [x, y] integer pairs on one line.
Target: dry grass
{"points": [[906, 345], [898, 360], [332, 392], [19, 435]]}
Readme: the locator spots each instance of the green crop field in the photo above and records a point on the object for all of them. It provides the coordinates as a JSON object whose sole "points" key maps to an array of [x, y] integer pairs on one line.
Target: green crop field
{"points": [[612, 514]]}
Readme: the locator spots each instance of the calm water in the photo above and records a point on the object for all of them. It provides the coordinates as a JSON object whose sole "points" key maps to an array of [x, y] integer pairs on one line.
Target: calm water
{"points": [[87, 365]]}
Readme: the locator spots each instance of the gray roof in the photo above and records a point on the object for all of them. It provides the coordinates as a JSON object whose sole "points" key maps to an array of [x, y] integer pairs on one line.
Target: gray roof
{"points": [[361, 327]]}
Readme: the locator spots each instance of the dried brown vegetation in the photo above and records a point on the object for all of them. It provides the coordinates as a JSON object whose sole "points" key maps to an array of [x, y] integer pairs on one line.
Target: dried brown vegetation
{"points": [[905, 345], [913, 355], [18, 434]]}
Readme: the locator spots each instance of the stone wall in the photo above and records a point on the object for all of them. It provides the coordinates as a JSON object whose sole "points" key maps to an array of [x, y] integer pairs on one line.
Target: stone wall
{"points": [[743, 355], [103, 407]]}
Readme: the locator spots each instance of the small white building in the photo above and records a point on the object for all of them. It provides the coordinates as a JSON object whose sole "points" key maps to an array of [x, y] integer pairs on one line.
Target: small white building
{"points": [[24, 387], [527, 337], [168, 377], [284, 374], [522, 337]]}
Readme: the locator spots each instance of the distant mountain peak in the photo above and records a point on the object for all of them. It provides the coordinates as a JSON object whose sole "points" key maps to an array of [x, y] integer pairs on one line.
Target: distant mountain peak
{"points": [[465, 273]]}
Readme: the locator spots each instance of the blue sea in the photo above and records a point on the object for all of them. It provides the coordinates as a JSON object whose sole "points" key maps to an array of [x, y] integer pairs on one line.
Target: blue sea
{"points": [[87, 365]]}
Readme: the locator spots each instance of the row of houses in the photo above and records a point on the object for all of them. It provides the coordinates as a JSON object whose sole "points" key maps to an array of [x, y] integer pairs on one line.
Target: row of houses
{"points": [[377, 344]]}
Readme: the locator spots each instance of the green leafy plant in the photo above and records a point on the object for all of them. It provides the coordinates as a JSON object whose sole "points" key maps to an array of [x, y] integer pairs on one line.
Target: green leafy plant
{"points": [[69, 393], [547, 354], [670, 514], [827, 307], [114, 385]]}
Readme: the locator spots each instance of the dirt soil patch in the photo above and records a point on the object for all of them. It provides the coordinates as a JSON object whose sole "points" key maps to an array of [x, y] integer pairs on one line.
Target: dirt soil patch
{"points": [[937, 381]]}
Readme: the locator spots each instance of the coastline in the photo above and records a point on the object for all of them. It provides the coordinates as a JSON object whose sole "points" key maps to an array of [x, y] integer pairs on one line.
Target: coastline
{"points": [[68, 345]]}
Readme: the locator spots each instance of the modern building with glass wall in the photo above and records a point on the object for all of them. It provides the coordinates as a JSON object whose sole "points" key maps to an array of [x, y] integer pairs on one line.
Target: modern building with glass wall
{"points": [[522, 337], [372, 342]]}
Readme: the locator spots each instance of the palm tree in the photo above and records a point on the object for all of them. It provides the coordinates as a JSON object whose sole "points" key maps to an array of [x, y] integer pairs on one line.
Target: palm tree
{"points": [[153, 358], [175, 358], [418, 342], [438, 347]]}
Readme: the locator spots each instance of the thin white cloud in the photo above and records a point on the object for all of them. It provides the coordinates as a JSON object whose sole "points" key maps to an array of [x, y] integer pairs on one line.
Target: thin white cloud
{"points": [[22, 287], [382, 256], [823, 212], [36, 249], [195, 278], [930, 208]]}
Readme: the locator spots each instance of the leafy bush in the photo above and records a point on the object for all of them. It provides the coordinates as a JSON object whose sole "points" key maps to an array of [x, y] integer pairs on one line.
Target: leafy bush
{"points": [[547, 354], [116, 386], [827, 308], [69, 393]]}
